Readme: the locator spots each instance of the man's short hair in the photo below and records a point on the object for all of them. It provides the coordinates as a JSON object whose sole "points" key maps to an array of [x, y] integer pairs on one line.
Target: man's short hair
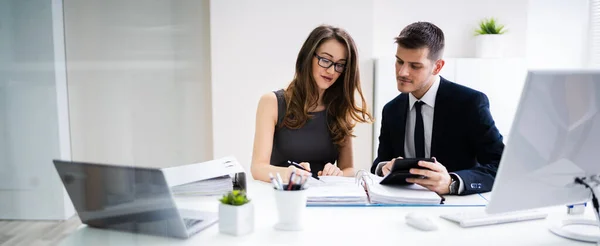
{"points": [[423, 35]]}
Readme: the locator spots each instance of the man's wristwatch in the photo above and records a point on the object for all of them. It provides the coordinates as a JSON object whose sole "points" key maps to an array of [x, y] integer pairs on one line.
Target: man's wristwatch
{"points": [[453, 187]]}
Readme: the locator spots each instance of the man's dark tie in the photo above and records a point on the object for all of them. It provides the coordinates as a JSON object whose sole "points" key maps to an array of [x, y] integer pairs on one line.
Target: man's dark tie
{"points": [[419, 132]]}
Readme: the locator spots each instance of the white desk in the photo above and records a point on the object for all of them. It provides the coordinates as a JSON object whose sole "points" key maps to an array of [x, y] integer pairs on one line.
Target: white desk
{"points": [[342, 226]]}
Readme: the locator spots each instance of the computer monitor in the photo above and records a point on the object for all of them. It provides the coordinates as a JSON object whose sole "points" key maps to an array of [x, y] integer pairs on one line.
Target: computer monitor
{"points": [[555, 138]]}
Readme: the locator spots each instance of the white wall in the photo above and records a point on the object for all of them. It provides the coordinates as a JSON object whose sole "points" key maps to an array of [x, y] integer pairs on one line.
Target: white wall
{"points": [[557, 34], [457, 18], [593, 55], [139, 81], [254, 46], [29, 128]]}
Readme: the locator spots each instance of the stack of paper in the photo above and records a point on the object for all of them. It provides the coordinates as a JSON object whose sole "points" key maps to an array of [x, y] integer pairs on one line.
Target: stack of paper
{"points": [[206, 178], [410, 194], [208, 187], [330, 190]]}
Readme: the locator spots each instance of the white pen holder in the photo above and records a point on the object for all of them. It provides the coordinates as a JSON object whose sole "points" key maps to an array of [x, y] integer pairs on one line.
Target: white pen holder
{"points": [[291, 206]]}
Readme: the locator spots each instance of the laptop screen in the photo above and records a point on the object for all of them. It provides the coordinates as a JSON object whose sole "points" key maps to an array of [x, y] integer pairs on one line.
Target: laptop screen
{"points": [[122, 198]]}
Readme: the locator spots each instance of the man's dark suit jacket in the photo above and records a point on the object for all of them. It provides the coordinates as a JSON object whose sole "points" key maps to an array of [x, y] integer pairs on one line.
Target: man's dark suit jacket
{"points": [[464, 137]]}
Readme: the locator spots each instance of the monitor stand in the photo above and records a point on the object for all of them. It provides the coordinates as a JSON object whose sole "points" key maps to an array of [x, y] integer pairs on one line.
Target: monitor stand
{"points": [[561, 230], [592, 183]]}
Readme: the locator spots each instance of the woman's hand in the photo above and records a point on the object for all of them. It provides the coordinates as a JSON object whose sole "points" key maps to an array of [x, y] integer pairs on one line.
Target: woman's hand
{"points": [[331, 170], [298, 172]]}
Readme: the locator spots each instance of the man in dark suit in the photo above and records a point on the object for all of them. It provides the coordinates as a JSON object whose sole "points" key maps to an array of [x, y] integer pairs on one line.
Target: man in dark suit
{"points": [[436, 118]]}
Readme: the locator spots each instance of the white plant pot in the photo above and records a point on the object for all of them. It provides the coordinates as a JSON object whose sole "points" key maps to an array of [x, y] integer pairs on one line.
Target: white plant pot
{"points": [[489, 45], [236, 220]]}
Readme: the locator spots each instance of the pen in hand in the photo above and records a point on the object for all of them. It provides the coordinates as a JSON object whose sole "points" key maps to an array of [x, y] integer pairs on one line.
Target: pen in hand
{"points": [[300, 167]]}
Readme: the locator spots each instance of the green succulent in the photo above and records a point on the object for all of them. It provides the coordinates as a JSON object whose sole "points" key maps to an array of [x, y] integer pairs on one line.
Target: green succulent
{"points": [[489, 26], [235, 198]]}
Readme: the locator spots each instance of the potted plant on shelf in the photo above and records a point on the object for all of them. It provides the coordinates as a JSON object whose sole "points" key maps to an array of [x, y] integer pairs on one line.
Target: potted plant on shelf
{"points": [[236, 214], [489, 39]]}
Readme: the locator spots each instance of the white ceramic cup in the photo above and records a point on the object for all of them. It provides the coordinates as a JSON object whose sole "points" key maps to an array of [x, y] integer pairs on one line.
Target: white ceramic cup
{"points": [[291, 207]]}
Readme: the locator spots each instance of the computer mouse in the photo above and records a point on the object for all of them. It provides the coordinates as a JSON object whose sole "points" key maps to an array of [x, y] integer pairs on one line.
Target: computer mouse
{"points": [[421, 222]]}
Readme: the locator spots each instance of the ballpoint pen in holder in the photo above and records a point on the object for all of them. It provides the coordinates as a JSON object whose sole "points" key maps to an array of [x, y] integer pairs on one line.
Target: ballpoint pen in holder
{"points": [[275, 183], [291, 204]]}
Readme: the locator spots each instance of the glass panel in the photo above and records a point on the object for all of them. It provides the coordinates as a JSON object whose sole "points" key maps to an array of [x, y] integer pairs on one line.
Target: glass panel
{"points": [[28, 108], [139, 81]]}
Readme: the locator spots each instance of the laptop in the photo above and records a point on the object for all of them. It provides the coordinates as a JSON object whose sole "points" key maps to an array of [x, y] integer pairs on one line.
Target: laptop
{"points": [[126, 198]]}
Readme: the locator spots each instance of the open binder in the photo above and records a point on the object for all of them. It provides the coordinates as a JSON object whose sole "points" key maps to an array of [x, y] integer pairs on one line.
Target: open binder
{"points": [[365, 190]]}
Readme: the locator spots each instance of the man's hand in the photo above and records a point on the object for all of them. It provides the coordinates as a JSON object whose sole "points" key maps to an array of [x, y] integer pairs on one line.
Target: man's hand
{"points": [[437, 177], [330, 170], [387, 168]]}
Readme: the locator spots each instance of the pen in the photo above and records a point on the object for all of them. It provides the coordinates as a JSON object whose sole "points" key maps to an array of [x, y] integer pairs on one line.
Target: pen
{"points": [[299, 182], [291, 182], [301, 167], [280, 181], [275, 185]]}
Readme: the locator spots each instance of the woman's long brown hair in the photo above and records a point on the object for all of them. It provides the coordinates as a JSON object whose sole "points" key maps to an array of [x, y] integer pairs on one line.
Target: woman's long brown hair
{"points": [[339, 99]]}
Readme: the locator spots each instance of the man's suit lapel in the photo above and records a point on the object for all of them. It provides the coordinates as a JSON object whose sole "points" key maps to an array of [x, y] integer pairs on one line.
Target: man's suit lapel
{"points": [[441, 108], [401, 111]]}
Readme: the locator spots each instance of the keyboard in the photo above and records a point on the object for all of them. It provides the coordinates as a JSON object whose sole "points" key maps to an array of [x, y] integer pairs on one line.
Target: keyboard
{"points": [[190, 222], [481, 218]]}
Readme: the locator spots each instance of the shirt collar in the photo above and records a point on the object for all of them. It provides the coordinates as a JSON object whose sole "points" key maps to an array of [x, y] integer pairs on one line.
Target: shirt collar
{"points": [[429, 97]]}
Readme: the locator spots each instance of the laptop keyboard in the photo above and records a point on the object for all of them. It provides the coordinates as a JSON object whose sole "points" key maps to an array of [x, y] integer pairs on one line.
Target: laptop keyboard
{"points": [[190, 222]]}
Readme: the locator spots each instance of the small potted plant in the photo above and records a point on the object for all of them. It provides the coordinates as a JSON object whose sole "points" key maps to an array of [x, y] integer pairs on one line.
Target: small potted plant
{"points": [[489, 39], [236, 214]]}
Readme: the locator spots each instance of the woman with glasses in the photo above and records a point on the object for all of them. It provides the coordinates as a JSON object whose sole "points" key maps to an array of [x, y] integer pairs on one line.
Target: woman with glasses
{"points": [[310, 123]]}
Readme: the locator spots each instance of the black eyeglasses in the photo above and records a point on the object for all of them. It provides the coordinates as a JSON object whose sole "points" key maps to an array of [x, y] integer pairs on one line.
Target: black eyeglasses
{"points": [[326, 63]]}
